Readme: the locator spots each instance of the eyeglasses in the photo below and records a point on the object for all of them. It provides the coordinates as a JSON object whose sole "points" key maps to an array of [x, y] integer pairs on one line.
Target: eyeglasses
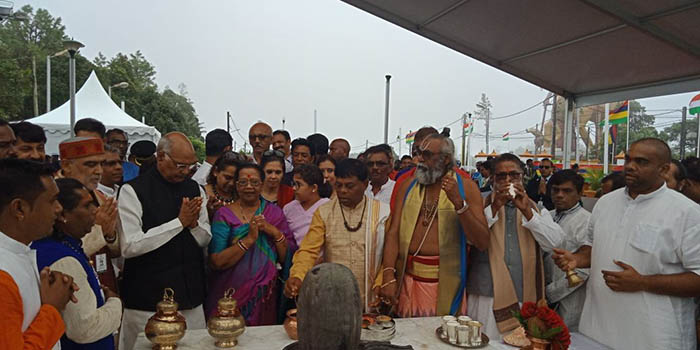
{"points": [[425, 154], [273, 152], [118, 143], [182, 166], [258, 136], [245, 183], [379, 164], [513, 175], [545, 166]]}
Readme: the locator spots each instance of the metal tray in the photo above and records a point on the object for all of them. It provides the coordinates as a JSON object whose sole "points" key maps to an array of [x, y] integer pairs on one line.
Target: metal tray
{"points": [[484, 340]]}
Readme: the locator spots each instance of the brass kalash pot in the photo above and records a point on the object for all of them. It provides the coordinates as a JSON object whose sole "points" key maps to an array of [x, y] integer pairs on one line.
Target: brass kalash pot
{"points": [[228, 323], [167, 326]]}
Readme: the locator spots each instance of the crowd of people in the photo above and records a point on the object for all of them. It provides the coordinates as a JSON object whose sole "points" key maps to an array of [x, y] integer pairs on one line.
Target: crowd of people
{"points": [[89, 240]]}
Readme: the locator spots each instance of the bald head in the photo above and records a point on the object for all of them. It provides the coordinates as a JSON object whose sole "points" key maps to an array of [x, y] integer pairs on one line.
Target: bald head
{"points": [[176, 157], [339, 149], [656, 146], [260, 137]]}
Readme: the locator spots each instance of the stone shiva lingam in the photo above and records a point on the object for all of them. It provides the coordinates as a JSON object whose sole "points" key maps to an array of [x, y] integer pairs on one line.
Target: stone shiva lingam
{"points": [[228, 323], [329, 315], [167, 326]]}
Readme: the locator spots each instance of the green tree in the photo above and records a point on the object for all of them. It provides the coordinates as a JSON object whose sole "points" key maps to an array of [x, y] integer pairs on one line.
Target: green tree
{"points": [[672, 135], [199, 147], [642, 125], [24, 46]]}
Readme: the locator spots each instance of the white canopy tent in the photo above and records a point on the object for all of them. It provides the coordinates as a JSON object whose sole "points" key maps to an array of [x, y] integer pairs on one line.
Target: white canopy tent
{"points": [[91, 101], [589, 51]]}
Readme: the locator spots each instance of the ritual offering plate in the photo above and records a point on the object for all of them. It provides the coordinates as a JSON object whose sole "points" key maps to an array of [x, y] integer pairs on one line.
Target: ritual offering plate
{"points": [[377, 328], [484, 340]]}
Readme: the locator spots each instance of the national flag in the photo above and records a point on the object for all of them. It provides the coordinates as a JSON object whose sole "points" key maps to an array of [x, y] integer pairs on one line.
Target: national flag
{"points": [[612, 137], [695, 105], [506, 136], [468, 127], [619, 115], [410, 137]]}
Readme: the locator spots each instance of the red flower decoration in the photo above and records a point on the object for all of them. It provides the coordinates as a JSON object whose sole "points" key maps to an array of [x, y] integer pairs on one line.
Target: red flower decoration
{"points": [[528, 310]]}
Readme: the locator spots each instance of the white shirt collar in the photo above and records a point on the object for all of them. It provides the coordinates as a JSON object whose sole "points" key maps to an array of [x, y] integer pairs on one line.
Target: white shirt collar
{"points": [[12, 245], [108, 191], [647, 196]]}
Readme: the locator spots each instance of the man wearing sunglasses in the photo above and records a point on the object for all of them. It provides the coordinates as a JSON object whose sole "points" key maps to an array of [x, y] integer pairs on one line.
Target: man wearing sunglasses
{"points": [[163, 228], [539, 189], [260, 137]]}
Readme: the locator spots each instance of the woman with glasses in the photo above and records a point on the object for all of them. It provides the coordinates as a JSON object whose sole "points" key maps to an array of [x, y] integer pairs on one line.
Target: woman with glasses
{"points": [[327, 166], [310, 192], [249, 238], [91, 321], [274, 191], [221, 184]]}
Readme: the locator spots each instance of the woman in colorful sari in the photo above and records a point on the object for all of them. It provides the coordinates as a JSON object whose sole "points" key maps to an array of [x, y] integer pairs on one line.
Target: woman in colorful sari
{"points": [[249, 238], [91, 321]]}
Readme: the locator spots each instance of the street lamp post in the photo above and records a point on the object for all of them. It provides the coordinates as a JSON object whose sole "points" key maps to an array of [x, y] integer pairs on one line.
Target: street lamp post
{"points": [[386, 110], [121, 85], [72, 46]]}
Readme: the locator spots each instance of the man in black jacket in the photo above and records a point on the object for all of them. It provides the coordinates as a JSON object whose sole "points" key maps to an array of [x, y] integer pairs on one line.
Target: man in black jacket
{"points": [[539, 189], [163, 228]]}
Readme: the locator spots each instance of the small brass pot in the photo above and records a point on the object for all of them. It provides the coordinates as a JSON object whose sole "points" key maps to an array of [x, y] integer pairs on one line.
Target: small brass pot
{"points": [[167, 326], [228, 324], [290, 324]]}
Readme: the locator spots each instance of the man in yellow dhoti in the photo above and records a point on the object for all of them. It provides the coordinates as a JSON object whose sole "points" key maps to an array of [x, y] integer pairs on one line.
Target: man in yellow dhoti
{"points": [[349, 229], [435, 212]]}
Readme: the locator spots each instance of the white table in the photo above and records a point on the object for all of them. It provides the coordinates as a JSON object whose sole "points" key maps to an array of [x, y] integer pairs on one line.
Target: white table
{"points": [[418, 332]]}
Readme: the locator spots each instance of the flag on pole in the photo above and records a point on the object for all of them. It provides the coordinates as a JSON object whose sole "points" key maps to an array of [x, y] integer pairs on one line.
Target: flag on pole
{"points": [[695, 105], [468, 127], [612, 136], [410, 137], [619, 115], [506, 136]]}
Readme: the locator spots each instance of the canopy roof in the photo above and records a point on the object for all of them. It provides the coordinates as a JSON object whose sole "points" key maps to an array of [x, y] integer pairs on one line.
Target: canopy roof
{"points": [[592, 51], [91, 101]]}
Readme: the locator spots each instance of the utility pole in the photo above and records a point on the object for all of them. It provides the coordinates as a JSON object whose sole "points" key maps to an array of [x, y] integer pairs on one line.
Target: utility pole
{"points": [[228, 123], [314, 121], [386, 110], [488, 116], [684, 111], [554, 128], [366, 144], [283, 122]]}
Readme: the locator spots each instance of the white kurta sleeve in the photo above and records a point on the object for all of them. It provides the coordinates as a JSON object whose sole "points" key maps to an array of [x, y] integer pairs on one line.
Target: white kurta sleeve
{"points": [[490, 217], [85, 322], [94, 240], [545, 231], [135, 242], [202, 233]]}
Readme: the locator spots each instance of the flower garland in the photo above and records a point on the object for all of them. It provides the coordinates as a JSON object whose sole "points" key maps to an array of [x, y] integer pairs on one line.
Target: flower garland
{"points": [[544, 323]]}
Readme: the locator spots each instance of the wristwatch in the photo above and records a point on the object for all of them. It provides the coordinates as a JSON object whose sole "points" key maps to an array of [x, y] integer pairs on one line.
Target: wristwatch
{"points": [[464, 207]]}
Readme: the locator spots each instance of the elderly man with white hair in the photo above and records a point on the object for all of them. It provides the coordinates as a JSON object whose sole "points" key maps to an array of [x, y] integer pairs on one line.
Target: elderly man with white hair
{"points": [[163, 227]]}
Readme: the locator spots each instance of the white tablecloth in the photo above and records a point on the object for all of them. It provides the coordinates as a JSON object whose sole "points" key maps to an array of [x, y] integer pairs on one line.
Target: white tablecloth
{"points": [[418, 332]]}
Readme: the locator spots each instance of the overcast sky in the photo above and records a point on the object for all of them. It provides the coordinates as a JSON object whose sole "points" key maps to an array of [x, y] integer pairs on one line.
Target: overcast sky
{"points": [[274, 59]]}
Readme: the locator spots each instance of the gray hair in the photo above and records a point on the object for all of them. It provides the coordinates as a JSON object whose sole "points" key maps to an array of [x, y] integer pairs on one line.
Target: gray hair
{"points": [[164, 144], [447, 151]]}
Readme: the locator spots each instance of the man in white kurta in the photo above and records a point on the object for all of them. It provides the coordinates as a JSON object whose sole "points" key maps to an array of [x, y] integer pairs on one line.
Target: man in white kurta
{"points": [[645, 259], [569, 220]]}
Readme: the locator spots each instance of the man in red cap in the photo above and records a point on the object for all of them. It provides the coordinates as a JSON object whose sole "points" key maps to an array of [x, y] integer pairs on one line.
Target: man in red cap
{"points": [[81, 159]]}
